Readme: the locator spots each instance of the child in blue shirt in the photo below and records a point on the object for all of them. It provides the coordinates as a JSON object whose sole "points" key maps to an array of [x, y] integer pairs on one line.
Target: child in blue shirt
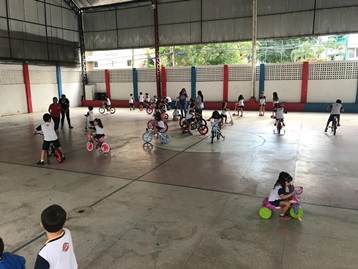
{"points": [[9, 260]]}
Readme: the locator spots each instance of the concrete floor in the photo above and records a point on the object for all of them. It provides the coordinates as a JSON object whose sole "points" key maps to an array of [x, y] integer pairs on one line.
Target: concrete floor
{"points": [[187, 204]]}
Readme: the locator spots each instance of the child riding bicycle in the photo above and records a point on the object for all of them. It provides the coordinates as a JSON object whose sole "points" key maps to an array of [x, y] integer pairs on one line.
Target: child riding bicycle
{"points": [[279, 114], [336, 109]]}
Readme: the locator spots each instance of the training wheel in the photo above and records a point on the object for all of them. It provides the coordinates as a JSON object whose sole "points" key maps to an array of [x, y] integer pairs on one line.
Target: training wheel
{"points": [[265, 212]]}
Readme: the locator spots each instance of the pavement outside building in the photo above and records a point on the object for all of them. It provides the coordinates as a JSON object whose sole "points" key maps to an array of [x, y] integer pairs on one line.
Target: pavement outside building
{"points": [[189, 203]]}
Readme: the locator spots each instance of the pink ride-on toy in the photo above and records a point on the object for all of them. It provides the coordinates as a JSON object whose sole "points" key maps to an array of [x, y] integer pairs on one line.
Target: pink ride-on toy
{"points": [[296, 210]]}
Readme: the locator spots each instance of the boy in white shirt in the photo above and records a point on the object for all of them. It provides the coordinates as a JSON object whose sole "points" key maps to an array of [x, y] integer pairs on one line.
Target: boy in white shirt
{"points": [[141, 101], [50, 136], [336, 110], [90, 115], [131, 102]]}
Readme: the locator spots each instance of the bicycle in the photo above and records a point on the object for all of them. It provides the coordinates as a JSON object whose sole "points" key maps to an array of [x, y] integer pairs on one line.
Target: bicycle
{"points": [[216, 131], [105, 108], [195, 125], [334, 125], [53, 152], [102, 146], [279, 127], [163, 137]]}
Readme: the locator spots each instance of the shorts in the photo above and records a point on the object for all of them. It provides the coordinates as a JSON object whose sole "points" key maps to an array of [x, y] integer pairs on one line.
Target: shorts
{"points": [[262, 105], [91, 122], [241, 106], [46, 144], [159, 129], [275, 105], [223, 116], [275, 203], [188, 121], [332, 116], [140, 103], [98, 136]]}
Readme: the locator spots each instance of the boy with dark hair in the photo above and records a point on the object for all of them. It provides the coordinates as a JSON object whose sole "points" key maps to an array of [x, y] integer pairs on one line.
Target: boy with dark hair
{"points": [[336, 109], [9, 260], [50, 136], [58, 251]]}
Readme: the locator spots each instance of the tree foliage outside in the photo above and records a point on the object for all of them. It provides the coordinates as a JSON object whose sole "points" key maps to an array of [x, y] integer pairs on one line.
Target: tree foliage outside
{"points": [[268, 51]]}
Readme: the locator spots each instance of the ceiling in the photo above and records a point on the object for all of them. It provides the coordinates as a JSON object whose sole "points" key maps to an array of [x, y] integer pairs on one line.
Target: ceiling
{"points": [[98, 3]]}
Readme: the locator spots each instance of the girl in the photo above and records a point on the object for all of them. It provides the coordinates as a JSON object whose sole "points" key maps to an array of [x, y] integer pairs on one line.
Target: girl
{"points": [[176, 115], [275, 101], [160, 122], [279, 196], [131, 102], [199, 103], [141, 101], [223, 111], [99, 132], [262, 104], [240, 105], [90, 115]]}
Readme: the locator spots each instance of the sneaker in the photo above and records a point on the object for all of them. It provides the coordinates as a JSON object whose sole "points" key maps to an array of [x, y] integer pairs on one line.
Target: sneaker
{"points": [[338, 124], [325, 130], [283, 124], [71, 127], [41, 162], [285, 217], [190, 133]]}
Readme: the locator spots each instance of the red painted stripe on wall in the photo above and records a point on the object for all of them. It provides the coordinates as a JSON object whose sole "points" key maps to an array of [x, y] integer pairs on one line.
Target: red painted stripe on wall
{"points": [[304, 84], [108, 83], [226, 83], [25, 71], [164, 81]]}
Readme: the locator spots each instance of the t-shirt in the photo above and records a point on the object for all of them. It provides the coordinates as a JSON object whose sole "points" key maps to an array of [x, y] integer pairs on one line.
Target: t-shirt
{"points": [[90, 115], [58, 253], [279, 113], [183, 96], [199, 102], [108, 101], [12, 261], [262, 100], [336, 109], [99, 130], [241, 102], [141, 98], [169, 100], [55, 110], [161, 124], [65, 104], [48, 130], [189, 114], [131, 99], [223, 111], [147, 98], [276, 192]]}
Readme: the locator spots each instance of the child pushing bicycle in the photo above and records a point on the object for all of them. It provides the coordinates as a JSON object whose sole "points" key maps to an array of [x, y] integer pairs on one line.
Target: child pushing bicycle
{"points": [[50, 136]]}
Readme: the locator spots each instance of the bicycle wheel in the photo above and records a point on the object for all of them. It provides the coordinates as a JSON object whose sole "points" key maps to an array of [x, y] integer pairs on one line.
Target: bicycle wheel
{"points": [[105, 147], [147, 137], [112, 110], [58, 155], [334, 126], [149, 110], [265, 212], [151, 124], [299, 213], [166, 127], [181, 121], [89, 146], [101, 110], [203, 129], [166, 116], [204, 122], [184, 128], [165, 138], [279, 127]]}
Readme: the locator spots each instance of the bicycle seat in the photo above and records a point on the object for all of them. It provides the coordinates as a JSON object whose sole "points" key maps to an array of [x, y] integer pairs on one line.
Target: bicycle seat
{"points": [[101, 138]]}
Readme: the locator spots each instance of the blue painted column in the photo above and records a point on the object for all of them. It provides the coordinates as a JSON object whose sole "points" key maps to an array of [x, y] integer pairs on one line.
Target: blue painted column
{"points": [[357, 93], [135, 83], [262, 79], [193, 82], [59, 81]]}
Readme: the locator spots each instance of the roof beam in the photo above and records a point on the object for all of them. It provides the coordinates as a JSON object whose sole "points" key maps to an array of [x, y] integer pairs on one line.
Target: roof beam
{"points": [[73, 6]]}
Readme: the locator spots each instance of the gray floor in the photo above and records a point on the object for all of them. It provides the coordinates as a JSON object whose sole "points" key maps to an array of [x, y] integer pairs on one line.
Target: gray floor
{"points": [[188, 204]]}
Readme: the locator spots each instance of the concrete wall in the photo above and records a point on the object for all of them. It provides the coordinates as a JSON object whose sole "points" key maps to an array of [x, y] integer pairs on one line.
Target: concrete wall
{"points": [[173, 88], [330, 90], [121, 91], [287, 90]]}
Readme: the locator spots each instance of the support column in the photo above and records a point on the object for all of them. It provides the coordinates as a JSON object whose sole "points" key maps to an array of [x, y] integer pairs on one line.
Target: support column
{"points": [[226, 83], [304, 84], [193, 82], [164, 81], [156, 45], [135, 83], [262, 79], [25, 71], [108, 82], [59, 81], [254, 37]]}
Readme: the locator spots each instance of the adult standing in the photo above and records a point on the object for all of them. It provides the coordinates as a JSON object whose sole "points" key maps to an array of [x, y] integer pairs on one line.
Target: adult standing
{"points": [[55, 112], [199, 103], [65, 110], [182, 101]]}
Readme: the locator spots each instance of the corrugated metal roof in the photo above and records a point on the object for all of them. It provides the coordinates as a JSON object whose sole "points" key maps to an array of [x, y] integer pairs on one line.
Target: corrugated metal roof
{"points": [[98, 3]]}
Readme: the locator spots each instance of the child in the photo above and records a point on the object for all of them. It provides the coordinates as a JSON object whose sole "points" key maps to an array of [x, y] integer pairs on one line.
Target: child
{"points": [[189, 117], [141, 101], [58, 251], [240, 105], [275, 101], [90, 115], [50, 136], [216, 117], [147, 99], [176, 115], [336, 110], [279, 113], [262, 104], [279, 196], [99, 132], [131, 102], [223, 111], [160, 123], [9, 260], [107, 103]]}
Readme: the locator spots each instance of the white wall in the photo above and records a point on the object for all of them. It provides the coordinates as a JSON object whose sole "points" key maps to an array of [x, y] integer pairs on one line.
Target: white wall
{"points": [[72, 85], [149, 87], [324, 91], [212, 91], [173, 89], [121, 91], [101, 87], [288, 91], [240, 87]]}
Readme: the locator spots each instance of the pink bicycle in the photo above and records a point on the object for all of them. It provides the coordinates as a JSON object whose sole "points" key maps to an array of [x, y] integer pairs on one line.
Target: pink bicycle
{"points": [[103, 147]]}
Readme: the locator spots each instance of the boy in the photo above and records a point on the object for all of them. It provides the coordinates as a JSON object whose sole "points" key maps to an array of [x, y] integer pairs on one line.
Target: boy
{"points": [[9, 260], [279, 114], [147, 99], [141, 101], [336, 110], [50, 136], [131, 102], [107, 103], [58, 251], [90, 115]]}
